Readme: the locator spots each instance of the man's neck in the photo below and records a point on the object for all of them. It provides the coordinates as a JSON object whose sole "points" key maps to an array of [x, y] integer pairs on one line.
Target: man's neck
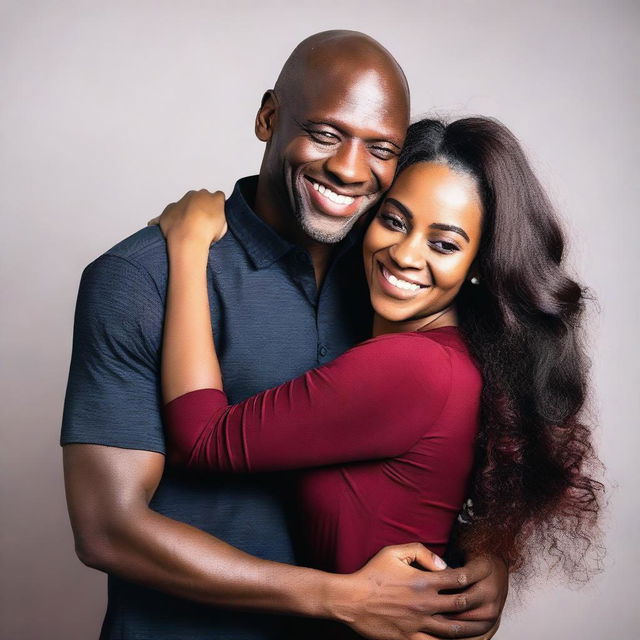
{"points": [[320, 252]]}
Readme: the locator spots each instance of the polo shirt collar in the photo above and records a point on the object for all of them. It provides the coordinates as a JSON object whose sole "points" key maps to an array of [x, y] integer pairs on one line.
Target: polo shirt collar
{"points": [[262, 243]]}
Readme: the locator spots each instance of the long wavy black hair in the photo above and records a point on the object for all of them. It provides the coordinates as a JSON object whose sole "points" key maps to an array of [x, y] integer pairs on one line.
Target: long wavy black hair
{"points": [[533, 485]]}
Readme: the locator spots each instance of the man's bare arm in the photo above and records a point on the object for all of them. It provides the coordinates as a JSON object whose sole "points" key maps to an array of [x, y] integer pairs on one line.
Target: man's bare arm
{"points": [[108, 493]]}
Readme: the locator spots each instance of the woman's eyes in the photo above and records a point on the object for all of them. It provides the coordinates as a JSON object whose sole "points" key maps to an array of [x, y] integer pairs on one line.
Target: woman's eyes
{"points": [[395, 223], [443, 246]]}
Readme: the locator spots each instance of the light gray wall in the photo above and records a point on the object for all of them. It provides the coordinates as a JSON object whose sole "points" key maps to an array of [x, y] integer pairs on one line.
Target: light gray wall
{"points": [[110, 110]]}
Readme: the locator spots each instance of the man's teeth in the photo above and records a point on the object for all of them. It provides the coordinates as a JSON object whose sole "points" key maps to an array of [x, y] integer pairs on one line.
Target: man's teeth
{"points": [[401, 284], [330, 195]]}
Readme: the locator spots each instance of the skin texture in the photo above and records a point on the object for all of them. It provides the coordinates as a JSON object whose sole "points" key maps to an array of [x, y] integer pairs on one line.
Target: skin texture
{"points": [[426, 233], [337, 117], [408, 234], [108, 489]]}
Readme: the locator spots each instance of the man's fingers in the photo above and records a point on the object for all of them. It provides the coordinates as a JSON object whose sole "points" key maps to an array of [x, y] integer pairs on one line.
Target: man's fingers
{"points": [[461, 578], [458, 603], [484, 612], [153, 221], [487, 635], [444, 628], [428, 560]]}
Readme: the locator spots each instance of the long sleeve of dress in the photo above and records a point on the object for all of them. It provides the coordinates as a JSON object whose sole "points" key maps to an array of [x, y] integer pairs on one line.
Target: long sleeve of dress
{"points": [[375, 401]]}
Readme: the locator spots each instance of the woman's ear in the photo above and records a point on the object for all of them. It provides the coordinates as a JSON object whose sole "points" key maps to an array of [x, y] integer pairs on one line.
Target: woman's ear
{"points": [[473, 274], [267, 116]]}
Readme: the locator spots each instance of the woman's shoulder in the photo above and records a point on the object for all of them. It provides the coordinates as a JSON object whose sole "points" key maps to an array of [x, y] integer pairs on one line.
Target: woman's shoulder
{"points": [[437, 340], [430, 352]]}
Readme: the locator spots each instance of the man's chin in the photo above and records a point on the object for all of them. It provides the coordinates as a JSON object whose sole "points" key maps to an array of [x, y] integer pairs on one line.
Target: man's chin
{"points": [[327, 229]]}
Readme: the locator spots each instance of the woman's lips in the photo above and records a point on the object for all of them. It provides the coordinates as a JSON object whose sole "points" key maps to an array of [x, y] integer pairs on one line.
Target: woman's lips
{"points": [[396, 287]]}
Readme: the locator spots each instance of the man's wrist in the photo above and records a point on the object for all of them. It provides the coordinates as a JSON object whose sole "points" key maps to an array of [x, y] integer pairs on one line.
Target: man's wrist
{"points": [[343, 595]]}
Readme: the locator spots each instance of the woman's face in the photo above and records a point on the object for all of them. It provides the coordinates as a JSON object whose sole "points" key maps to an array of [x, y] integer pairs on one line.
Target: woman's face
{"points": [[421, 245]]}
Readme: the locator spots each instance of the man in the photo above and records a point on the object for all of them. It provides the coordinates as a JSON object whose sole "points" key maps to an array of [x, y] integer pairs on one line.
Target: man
{"points": [[185, 554]]}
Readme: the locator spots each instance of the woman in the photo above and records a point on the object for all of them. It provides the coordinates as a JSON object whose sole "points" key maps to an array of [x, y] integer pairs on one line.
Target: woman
{"points": [[472, 383]]}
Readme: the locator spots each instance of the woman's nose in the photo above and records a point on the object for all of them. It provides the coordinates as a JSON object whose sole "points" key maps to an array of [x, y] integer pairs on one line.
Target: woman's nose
{"points": [[409, 254]]}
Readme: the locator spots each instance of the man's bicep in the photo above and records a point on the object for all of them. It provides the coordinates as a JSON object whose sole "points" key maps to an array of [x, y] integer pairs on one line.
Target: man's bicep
{"points": [[106, 486], [113, 393], [112, 473]]}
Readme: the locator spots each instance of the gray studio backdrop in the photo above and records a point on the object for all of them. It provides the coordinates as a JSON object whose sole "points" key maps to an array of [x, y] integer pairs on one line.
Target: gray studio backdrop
{"points": [[108, 111]]}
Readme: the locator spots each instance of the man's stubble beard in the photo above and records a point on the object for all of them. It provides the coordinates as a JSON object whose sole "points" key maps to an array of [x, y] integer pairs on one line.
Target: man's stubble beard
{"points": [[307, 220]]}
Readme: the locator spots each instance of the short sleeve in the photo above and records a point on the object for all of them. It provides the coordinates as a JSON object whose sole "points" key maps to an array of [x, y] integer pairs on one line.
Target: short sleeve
{"points": [[113, 393]]}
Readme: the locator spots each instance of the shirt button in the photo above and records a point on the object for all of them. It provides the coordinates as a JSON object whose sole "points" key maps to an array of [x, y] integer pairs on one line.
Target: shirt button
{"points": [[322, 351]]}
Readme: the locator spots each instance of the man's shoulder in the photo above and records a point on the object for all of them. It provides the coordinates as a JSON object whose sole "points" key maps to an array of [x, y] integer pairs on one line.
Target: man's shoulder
{"points": [[145, 248], [136, 266], [144, 252]]}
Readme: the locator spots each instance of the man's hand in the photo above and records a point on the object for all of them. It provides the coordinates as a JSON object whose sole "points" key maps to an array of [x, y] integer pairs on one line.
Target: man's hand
{"points": [[389, 599], [487, 596]]}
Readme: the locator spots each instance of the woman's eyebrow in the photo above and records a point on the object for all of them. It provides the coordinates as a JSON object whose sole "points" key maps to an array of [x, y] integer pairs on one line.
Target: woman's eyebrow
{"points": [[450, 227], [436, 225], [398, 205]]}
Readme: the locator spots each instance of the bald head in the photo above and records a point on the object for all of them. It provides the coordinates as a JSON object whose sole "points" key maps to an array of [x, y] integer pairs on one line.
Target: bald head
{"points": [[334, 125], [339, 54]]}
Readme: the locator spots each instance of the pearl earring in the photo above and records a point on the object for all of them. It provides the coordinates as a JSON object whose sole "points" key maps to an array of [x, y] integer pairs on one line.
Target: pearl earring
{"points": [[475, 280]]}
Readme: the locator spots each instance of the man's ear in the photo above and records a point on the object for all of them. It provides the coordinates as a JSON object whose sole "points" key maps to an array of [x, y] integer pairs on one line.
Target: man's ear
{"points": [[267, 116]]}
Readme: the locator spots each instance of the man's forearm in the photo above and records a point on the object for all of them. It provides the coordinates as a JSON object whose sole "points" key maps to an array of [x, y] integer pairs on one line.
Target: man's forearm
{"points": [[108, 493], [171, 556]]}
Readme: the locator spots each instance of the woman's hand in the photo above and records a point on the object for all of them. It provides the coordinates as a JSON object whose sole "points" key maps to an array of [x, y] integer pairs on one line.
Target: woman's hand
{"points": [[197, 217]]}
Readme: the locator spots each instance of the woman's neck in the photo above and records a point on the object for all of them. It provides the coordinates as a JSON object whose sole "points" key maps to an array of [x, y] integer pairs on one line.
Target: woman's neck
{"points": [[443, 318]]}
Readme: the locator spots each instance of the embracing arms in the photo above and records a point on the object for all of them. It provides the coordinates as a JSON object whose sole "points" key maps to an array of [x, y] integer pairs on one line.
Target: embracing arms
{"points": [[117, 532], [113, 386]]}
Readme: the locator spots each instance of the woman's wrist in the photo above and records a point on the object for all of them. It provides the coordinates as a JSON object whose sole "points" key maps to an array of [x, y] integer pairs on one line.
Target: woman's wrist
{"points": [[187, 247]]}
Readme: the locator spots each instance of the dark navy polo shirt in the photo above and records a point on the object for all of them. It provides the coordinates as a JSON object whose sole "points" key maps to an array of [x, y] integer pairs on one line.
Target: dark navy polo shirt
{"points": [[271, 324]]}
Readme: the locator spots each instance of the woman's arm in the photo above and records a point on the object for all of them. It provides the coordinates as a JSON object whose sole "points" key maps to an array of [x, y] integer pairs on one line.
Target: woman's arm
{"points": [[189, 359], [373, 402]]}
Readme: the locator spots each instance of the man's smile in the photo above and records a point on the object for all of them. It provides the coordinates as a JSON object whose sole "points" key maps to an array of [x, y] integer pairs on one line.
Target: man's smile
{"points": [[331, 201]]}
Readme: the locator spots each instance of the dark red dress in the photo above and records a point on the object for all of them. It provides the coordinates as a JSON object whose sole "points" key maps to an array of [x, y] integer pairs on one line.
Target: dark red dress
{"points": [[387, 431]]}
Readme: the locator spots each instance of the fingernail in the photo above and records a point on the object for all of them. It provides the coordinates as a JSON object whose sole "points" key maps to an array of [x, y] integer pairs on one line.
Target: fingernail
{"points": [[440, 563]]}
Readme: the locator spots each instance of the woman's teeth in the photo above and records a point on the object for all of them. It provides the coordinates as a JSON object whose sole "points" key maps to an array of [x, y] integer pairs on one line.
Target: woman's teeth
{"points": [[330, 195], [401, 284]]}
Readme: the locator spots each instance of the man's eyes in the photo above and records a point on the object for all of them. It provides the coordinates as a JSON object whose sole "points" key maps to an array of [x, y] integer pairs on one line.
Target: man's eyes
{"points": [[323, 137], [384, 153], [330, 138]]}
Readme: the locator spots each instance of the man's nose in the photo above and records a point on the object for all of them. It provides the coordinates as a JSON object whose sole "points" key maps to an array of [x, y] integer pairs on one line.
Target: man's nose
{"points": [[350, 163], [409, 253]]}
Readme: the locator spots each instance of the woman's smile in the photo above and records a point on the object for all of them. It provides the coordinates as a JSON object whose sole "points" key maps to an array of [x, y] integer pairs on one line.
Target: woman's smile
{"points": [[397, 285], [422, 243]]}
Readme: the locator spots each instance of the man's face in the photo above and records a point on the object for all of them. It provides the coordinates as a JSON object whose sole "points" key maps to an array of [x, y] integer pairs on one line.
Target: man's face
{"points": [[334, 150]]}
